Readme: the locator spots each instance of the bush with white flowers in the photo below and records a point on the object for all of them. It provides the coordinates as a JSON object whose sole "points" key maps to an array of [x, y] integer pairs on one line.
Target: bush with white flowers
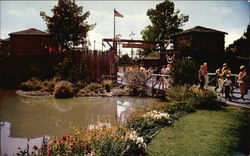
{"points": [[155, 115], [138, 140]]}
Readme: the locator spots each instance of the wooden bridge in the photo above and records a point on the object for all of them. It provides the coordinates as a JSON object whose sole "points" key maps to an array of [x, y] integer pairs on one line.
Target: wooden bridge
{"points": [[157, 83]]}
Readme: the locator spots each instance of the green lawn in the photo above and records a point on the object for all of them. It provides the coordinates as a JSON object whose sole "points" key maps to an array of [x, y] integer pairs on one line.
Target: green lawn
{"points": [[211, 133]]}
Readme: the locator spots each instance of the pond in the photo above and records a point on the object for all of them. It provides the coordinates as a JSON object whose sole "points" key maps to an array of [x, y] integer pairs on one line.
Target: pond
{"points": [[24, 118]]}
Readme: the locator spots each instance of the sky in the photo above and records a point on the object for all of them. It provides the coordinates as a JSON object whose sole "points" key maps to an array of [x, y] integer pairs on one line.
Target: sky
{"points": [[228, 16]]}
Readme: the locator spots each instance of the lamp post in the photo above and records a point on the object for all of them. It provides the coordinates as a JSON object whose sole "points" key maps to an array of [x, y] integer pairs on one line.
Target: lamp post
{"points": [[131, 35], [118, 37]]}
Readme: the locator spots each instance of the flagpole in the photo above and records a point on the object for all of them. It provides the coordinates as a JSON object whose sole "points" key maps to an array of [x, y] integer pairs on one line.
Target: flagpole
{"points": [[114, 30]]}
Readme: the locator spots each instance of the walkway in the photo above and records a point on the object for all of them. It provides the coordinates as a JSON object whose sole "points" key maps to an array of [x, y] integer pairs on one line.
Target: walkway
{"points": [[236, 100]]}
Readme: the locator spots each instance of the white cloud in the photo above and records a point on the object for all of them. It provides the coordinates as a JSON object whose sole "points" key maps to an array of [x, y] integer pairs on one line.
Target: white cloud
{"points": [[234, 34], [225, 10], [23, 13], [222, 10]]}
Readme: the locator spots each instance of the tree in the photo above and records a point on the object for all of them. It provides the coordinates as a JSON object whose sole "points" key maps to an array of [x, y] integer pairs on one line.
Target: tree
{"points": [[68, 25], [184, 71], [240, 47], [166, 21]]}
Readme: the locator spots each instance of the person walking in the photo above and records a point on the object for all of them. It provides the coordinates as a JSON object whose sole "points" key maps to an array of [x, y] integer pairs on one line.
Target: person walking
{"points": [[218, 73], [205, 74], [227, 84], [220, 85], [163, 70], [201, 77], [224, 66], [242, 81]]}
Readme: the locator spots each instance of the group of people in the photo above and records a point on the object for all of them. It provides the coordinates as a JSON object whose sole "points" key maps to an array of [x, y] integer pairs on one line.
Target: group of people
{"points": [[165, 70], [223, 80]]}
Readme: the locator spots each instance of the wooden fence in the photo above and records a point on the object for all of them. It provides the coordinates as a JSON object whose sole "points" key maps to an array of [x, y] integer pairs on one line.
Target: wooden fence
{"points": [[14, 68]]}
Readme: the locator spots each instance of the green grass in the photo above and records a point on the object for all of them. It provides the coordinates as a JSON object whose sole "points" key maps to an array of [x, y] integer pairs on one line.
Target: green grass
{"points": [[206, 133]]}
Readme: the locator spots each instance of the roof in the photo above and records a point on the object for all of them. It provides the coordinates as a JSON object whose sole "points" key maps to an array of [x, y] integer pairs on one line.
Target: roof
{"points": [[200, 29], [31, 31]]}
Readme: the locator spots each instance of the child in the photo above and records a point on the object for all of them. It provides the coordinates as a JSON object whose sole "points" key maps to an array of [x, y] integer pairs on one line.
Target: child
{"points": [[227, 86], [220, 85]]}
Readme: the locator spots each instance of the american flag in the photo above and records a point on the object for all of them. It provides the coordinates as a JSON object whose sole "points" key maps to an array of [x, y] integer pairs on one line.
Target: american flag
{"points": [[116, 13]]}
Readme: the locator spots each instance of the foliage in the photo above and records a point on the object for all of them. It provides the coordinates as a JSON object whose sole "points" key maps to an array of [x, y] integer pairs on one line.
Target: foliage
{"points": [[31, 85], [68, 25], [184, 71], [137, 82], [48, 85], [166, 21], [177, 108], [148, 124], [178, 93], [93, 87], [98, 140], [206, 99], [80, 85], [34, 71], [107, 85], [63, 69], [68, 71], [240, 47], [64, 89], [114, 140]]}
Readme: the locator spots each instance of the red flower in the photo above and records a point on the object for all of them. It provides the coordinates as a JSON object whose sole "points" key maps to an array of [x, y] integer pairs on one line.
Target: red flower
{"points": [[35, 147], [64, 138], [49, 151]]}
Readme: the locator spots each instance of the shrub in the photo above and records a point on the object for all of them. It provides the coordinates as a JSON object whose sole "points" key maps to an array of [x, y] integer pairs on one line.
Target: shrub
{"points": [[114, 141], [184, 71], [48, 85], [31, 85], [178, 107], [107, 85], [206, 99], [179, 93], [137, 82], [81, 84], [93, 87], [193, 98], [68, 71], [148, 124], [64, 89], [63, 69]]}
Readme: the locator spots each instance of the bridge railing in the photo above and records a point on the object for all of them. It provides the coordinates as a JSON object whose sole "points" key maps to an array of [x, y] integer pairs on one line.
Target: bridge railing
{"points": [[159, 82], [212, 79]]}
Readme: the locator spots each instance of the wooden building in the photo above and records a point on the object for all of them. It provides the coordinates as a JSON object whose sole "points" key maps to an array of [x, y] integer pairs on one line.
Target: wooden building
{"points": [[202, 44], [4, 48], [29, 42]]}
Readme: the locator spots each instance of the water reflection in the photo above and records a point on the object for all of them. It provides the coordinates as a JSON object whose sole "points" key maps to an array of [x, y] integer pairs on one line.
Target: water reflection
{"points": [[10, 145], [35, 117]]}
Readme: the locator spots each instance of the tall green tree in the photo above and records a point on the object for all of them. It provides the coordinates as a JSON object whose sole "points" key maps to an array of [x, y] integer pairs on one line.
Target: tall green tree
{"points": [[240, 47], [68, 25], [165, 22]]}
